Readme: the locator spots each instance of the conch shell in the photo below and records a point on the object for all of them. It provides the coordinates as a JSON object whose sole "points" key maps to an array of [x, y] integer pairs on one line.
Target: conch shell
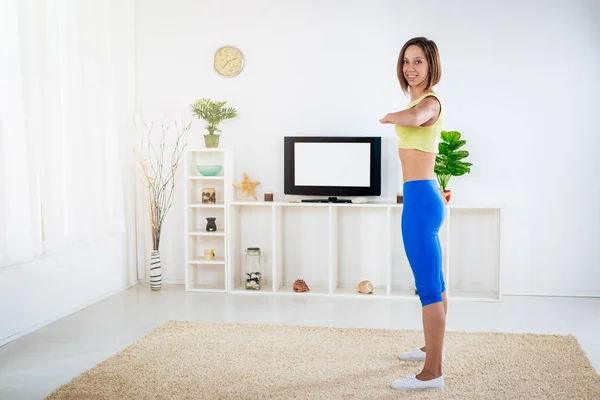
{"points": [[365, 287], [300, 286]]}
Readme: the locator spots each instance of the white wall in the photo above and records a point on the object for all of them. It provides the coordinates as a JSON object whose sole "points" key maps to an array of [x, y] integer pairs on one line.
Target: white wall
{"points": [[520, 81], [40, 292], [37, 293]]}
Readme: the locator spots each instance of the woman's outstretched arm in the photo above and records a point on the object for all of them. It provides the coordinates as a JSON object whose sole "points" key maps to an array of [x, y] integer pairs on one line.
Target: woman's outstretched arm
{"points": [[416, 116]]}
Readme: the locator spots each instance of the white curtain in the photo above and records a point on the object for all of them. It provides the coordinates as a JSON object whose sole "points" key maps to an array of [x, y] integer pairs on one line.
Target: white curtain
{"points": [[64, 103], [17, 222]]}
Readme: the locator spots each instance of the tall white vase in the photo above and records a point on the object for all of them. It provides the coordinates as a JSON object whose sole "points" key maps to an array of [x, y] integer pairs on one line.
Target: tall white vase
{"points": [[155, 270]]}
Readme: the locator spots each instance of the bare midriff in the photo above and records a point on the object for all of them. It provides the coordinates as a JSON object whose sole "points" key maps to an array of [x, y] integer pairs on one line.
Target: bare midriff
{"points": [[416, 164]]}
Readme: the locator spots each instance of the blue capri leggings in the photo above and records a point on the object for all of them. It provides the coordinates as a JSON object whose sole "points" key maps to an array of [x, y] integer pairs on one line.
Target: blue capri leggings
{"points": [[422, 216]]}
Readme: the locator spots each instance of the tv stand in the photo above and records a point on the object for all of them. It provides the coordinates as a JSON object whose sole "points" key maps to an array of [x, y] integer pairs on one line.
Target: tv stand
{"points": [[333, 247], [328, 200]]}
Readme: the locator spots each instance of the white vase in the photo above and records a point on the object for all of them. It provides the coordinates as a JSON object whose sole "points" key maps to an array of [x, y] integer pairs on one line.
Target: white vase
{"points": [[155, 271]]}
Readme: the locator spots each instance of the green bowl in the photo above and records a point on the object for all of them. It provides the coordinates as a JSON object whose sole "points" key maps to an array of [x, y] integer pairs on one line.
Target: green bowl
{"points": [[209, 170]]}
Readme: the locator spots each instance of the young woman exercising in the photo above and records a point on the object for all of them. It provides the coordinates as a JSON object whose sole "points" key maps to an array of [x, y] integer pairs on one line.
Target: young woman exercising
{"points": [[418, 129]]}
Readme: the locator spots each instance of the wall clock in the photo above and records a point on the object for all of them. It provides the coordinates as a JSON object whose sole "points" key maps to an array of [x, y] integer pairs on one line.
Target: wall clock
{"points": [[229, 61]]}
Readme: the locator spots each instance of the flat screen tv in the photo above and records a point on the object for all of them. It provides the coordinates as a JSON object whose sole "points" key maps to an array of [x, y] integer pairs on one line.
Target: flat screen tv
{"points": [[332, 166]]}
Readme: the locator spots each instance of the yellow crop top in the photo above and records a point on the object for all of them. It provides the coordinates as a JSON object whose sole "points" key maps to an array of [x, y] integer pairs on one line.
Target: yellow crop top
{"points": [[424, 138]]}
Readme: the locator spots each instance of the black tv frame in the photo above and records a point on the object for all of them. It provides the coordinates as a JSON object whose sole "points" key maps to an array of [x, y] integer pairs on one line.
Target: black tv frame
{"points": [[374, 188]]}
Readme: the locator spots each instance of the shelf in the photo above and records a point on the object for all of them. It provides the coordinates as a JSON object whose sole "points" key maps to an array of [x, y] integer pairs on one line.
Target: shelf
{"points": [[377, 293], [476, 206], [473, 295], [265, 289], [480, 206], [303, 246], [314, 290], [333, 246], [207, 178], [208, 150], [251, 203], [359, 253], [352, 291], [201, 233], [250, 227], [404, 292], [203, 275], [207, 288], [216, 261], [477, 254]]}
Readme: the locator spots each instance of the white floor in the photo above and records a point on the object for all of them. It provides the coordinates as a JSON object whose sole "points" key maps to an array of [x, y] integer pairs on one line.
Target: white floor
{"points": [[34, 365]]}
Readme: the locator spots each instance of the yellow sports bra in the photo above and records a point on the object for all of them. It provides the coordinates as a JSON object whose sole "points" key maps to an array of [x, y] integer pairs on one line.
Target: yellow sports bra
{"points": [[424, 138]]}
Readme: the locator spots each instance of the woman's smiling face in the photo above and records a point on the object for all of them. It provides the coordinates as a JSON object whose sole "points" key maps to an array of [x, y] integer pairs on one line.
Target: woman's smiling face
{"points": [[415, 67]]}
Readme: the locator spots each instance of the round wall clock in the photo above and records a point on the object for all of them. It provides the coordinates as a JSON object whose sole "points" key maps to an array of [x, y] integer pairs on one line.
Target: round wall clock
{"points": [[229, 61]]}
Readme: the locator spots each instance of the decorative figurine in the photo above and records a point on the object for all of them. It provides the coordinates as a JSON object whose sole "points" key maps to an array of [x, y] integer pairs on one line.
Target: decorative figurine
{"points": [[247, 187], [365, 287], [300, 286]]}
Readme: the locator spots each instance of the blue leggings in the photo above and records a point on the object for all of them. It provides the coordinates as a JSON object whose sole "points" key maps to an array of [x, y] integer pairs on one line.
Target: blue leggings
{"points": [[422, 216]]}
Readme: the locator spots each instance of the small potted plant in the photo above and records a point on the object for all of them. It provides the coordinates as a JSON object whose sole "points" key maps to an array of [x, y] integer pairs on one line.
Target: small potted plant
{"points": [[213, 113], [448, 162]]}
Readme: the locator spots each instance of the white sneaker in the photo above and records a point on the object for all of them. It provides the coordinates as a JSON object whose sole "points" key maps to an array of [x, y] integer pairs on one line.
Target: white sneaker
{"points": [[417, 355], [412, 383]]}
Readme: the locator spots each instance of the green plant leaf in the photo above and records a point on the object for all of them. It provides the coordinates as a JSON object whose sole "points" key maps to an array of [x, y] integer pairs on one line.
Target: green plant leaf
{"points": [[455, 136], [458, 155], [459, 169], [443, 180], [451, 136], [212, 112], [456, 144], [447, 161], [443, 148], [442, 170]]}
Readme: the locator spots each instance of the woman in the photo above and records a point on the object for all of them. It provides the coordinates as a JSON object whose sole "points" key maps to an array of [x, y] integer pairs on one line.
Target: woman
{"points": [[418, 129]]}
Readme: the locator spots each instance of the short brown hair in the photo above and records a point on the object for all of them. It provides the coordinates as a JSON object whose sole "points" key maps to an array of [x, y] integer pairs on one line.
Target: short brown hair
{"points": [[433, 60]]}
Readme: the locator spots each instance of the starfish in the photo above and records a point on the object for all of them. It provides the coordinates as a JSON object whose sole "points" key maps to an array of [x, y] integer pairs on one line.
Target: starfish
{"points": [[247, 187]]}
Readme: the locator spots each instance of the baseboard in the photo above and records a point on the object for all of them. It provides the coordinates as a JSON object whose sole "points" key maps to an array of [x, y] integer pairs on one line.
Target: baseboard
{"points": [[34, 328], [165, 281], [578, 295], [586, 295]]}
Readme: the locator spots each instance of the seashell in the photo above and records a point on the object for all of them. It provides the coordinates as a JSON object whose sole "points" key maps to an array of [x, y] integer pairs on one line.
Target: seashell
{"points": [[365, 287], [300, 286]]}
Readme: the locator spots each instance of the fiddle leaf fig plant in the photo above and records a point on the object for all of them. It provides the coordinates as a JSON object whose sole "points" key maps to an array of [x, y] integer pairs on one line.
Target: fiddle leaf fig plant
{"points": [[448, 160]]}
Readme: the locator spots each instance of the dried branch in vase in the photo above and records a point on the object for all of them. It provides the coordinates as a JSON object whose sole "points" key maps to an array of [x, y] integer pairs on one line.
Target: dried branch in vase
{"points": [[160, 173]]}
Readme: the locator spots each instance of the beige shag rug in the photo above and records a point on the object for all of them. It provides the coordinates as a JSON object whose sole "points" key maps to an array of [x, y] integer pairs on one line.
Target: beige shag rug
{"points": [[204, 360]]}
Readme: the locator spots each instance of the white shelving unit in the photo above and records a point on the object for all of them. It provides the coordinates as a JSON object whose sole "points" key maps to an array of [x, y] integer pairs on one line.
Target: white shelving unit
{"points": [[203, 275], [334, 246]]}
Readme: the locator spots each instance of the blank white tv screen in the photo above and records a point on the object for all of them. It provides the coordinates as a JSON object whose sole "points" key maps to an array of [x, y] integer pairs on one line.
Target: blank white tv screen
{"points": [[332, 164]]}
